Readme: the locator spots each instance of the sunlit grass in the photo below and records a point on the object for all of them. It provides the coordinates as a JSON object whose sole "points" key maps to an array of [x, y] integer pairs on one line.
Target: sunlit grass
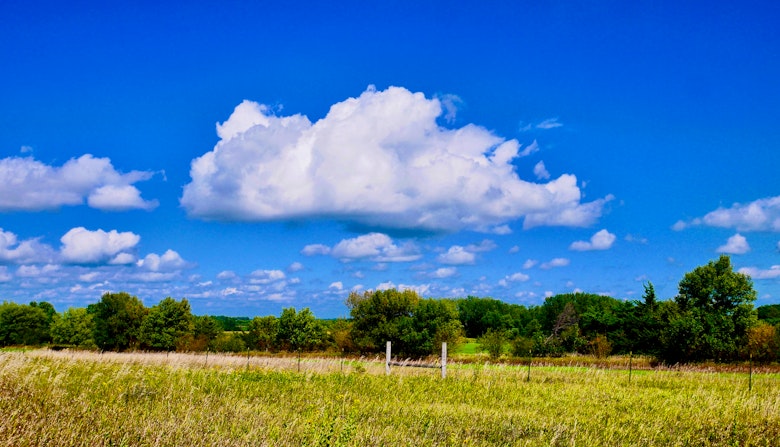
{"points": [[88, 399]]}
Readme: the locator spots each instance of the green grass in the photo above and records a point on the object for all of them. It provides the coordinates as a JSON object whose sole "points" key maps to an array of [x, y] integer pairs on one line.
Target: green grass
{"points": [[468, 347], [90, 400]]}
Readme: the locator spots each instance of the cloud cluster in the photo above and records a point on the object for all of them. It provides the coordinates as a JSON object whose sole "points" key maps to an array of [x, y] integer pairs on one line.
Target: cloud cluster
{"points": [[602, 240], [377, 247], [27, 184], [106, 260], [379, 160], [759, 215]]}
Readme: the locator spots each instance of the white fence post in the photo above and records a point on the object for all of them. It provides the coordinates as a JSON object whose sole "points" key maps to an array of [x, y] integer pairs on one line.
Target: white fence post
{"points": [[387, 359], [444, 360]]}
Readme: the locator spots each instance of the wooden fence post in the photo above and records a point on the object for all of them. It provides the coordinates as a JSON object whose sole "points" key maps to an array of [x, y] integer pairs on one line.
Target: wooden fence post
{"points": [[387, 359], [444, 360]]}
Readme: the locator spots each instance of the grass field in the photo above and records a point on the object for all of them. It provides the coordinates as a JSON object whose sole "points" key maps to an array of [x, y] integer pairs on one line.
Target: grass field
{"points": [[88, 399]]}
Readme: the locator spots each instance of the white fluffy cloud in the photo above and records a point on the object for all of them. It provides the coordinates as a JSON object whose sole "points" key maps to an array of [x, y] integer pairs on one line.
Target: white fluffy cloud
{"points": [[13, 250], [380, 160], [759, 215], [27, 184], [735, 245], [377, 247], [515, 277], [266, 276], [457, 255], [757, 273], [82, 246], [602, 240], [170, 261]]}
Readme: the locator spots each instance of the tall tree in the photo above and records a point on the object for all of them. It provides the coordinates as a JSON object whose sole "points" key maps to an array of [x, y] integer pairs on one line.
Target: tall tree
{"points": [[73, 327], [117, 318], [715, 311], [299, 331], [167, 324], [23, 325]]}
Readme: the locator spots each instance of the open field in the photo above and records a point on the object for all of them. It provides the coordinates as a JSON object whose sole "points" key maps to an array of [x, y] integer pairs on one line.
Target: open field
{"points": [[88, 399]]}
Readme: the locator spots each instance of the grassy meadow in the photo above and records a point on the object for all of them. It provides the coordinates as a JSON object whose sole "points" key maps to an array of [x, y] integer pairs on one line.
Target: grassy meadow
{"points": [[88, 399]]}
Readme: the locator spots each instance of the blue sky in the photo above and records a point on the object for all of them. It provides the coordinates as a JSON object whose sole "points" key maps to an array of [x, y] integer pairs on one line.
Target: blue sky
{"points": [[251, 156]]}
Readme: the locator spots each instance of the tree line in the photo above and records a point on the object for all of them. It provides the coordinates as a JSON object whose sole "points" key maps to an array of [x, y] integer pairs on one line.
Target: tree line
{"points": [[711, 318]]}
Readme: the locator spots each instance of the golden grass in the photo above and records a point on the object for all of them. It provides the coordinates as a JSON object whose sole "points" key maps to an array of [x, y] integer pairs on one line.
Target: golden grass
{"points": [[89, 399]]}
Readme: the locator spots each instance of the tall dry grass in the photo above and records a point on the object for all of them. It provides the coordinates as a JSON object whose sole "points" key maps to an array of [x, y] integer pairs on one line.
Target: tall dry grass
{"points": [[88, 399]]}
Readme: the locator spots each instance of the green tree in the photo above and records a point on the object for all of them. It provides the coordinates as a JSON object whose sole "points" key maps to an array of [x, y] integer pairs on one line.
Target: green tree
{"points": [[493, 342], [23, 324], [379, 316], [117, 318], [715, 312], [74, 327], [262, 333], [166, 325], [299, 331]]}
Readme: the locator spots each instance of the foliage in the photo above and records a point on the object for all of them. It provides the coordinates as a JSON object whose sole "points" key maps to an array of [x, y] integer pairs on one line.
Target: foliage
{"points": [[74, 327], [24, 324], [262, 333], [493, 342], [414, 326], [232, 324], [228, 342], [477, 315], [714, 313], [298, 331], [764, 343], [117, 318], [769, 313], [166, 325]]}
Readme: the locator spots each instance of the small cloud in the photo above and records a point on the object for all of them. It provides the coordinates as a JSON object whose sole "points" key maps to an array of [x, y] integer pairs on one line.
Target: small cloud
{"points": [[337, 286], [637, 239], [502, 230], [515, 277], [457, 255], [735, 245], [226, 274], [530, 149], [26, 149], [554, 263], [295, 267], [266, 276], [484, 246], [170, 261], [602, 240], [444, 272], [540, 171], [550, 123], [315, 249], [514, 249], [530, 263]]}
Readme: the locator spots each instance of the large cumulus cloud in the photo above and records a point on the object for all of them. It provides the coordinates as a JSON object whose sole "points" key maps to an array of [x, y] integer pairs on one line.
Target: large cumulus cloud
{"points": [[380, 160]]}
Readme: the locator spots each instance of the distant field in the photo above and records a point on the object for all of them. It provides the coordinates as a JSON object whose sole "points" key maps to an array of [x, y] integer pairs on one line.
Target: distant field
{"points": [[88, 399]]}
